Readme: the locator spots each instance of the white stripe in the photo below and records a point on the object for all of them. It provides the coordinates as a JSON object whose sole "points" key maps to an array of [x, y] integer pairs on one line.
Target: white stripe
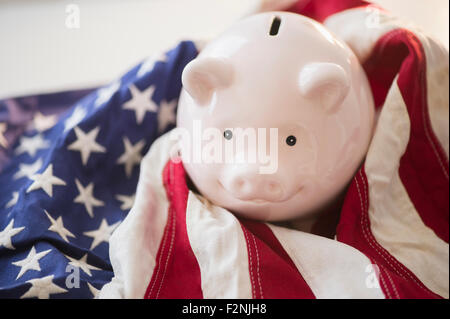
{"points": [[218, 242], [395, 223], [437, 89], [135, 243], [330, 268], [361, 28]]}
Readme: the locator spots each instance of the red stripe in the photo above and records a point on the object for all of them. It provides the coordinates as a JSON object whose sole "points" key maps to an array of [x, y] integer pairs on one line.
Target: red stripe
{"points": [[177, 273], [424, 166], [321, 9], [354, 229], [273, 275], [382, 67]]}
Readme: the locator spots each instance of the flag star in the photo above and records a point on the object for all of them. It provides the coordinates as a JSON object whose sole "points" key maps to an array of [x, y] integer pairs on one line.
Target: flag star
{"points": [[166, 115], [87, 198], [46, 180], [42, 288], [7, 233], [31, 262], [131, 156], [94, 291], [13, 201], [127, 201], [141, 102], [150, 63], [82, 264], [31, 145], [105, 94], [86, 143], [28, 170], [43, 122], [3, 140], [102, 234], [57, 226], [75, 118]]}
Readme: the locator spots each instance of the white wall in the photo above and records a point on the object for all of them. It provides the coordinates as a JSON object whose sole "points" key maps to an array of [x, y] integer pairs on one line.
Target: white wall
{"points": [[39, 53]]}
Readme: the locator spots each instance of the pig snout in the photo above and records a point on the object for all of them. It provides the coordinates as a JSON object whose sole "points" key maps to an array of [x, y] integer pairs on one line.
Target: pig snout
{"points": [[249, 185]]}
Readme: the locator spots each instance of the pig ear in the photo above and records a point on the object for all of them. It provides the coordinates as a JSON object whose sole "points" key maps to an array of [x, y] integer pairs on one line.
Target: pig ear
{"points": [[203, 76], [326, 82]]}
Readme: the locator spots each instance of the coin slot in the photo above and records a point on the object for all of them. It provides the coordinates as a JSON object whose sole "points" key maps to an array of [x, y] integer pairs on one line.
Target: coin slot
{"points": [[275, 28]]}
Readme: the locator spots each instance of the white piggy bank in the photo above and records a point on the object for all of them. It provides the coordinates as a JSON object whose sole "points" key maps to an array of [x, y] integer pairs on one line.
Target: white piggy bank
{"points": [[276, 116]]}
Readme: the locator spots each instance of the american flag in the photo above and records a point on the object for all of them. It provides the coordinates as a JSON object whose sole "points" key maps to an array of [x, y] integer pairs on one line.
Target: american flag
{"points": [[69, 165], [64, 190], [388, 239]]}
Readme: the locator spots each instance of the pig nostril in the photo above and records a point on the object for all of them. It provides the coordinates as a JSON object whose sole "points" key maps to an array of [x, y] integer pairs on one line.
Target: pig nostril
{"points": [[254, 189], [274, 188], [238, 183]]}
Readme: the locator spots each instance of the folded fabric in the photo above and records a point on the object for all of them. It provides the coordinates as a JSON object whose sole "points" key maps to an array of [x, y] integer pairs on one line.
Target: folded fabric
{"points": [[66, 186], [68, 175], [392, 236]]}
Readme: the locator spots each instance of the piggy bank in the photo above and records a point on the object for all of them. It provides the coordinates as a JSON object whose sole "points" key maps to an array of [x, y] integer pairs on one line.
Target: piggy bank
{"points": [[276, 116]]}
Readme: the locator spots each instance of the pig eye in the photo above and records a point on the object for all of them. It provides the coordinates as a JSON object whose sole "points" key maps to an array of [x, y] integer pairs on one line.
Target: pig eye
{"points": [[291, 140], [228, 134]]}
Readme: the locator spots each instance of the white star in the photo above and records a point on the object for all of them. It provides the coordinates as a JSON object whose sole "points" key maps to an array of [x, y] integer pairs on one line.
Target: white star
{"points": [[131, 156], [57, 226], [94, 291], [166, 115], [82, 264], [27, 170], [104, 94], [43, 122], [86, 143], [3, 140], [42, 288], [150, 63], [127, 201], [46, 180], [141, 102], [7, 233], [31, 262], [87, 198], [102, 234], [31, 144], [13, 201], [76, 117]]}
